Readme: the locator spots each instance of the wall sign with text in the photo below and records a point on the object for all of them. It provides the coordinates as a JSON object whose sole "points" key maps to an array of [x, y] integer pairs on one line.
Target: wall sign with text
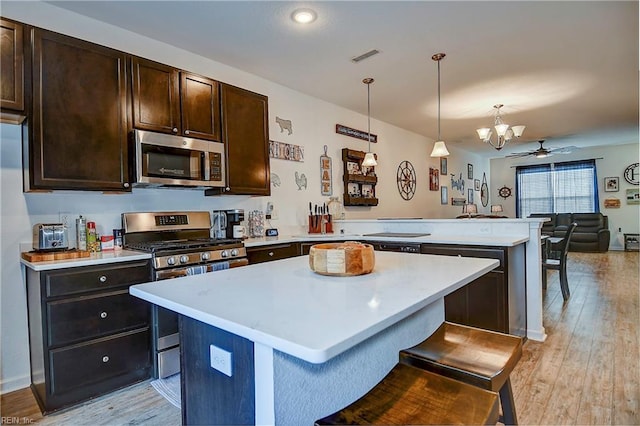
{"points": [[286, 151], [354, 133]]}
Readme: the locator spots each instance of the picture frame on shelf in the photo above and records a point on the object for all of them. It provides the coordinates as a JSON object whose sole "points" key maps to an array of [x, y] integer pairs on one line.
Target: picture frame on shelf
{"points": [[469, 171], [444, 198], [443, 165], [353, 168], [476, 184], [612, 184]]}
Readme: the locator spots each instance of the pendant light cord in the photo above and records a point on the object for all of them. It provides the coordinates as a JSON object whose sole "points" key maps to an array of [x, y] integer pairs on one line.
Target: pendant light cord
{"points": [[439, 136], [369, 115]]}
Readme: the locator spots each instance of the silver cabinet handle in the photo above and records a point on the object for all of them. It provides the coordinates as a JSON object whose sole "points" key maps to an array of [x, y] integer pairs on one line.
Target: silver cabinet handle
{"points": [[103, 314], [126, 184], [175, 130], [105, 359], [103, 278], [270, 253], [186, 132]]}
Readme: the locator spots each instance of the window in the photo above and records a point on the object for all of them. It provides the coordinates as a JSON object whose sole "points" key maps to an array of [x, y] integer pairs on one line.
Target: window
{"points": [[570, 187]]}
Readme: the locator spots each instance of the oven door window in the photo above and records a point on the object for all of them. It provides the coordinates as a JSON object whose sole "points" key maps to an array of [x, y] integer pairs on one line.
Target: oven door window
{"points": [[172, 163]]}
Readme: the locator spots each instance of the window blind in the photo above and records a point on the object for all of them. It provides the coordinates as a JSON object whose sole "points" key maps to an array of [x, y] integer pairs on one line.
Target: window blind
{"points": [[569, 187]]}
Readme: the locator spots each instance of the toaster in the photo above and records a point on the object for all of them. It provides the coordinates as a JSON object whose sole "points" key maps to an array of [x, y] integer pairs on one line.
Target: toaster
{"points": [[50, 236]]}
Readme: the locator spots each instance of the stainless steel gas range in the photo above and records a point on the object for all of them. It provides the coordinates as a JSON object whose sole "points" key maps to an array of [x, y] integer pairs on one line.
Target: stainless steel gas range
{"points": [[180, 245]]}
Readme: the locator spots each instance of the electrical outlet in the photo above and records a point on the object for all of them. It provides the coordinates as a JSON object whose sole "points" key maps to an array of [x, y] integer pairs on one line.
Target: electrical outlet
{"points": [[274, 214], [64, 218], [220, 360]]}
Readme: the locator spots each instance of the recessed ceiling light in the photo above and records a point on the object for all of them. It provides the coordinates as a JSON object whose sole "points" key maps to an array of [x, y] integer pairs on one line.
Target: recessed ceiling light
{"points": [[304, 16]]}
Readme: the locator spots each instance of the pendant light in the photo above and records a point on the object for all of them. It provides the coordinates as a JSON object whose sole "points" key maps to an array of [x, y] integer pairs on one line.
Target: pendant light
{"points": [[369, 158], [439, 148]]}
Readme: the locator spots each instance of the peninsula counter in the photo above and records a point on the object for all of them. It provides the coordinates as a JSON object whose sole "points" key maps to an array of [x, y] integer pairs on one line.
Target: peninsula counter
{"points": [[302, 345]]}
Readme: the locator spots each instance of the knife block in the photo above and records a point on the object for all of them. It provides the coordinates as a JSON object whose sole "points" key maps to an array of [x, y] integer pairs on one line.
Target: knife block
{"points": [[315, 224]]}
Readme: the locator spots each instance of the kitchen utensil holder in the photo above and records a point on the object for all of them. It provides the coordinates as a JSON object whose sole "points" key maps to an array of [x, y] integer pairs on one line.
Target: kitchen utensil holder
{"points": [[315, 224]]}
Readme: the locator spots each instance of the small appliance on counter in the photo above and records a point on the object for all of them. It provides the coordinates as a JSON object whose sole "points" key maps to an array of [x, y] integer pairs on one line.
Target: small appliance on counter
{"points": [[50, 236], [225, 221]]}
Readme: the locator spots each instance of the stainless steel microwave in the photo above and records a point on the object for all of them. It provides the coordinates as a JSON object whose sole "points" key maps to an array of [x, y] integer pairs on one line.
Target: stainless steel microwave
{"points": [[168, 160]]}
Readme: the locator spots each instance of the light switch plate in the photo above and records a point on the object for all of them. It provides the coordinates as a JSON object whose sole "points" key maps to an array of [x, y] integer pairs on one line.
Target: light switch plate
{"points": [[220, 360]]}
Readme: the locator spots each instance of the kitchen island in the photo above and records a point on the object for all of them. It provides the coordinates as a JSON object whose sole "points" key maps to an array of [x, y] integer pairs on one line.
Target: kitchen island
{"points": [[301, 345]]}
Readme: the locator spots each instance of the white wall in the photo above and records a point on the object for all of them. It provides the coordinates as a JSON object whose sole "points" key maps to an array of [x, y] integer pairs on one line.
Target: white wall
{"points": [[313, 127], [610, 162]]}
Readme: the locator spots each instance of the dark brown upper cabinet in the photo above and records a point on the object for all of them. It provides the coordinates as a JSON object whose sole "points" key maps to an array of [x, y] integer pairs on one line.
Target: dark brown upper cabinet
{"points": [[171, 101], [78, 128], [245, 133], [12, 68]]}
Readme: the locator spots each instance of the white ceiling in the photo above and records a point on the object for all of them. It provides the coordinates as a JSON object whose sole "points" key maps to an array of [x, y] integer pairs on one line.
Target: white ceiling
{"points": [[568, 70]]}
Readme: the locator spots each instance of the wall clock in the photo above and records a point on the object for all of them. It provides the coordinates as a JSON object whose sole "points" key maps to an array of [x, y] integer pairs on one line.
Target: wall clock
{"points": [[504, 192], [631, 174], [406, 180]]}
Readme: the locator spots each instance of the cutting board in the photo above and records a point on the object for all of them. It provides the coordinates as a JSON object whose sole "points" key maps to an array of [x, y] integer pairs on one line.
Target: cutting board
{"points": [[42, 256]]}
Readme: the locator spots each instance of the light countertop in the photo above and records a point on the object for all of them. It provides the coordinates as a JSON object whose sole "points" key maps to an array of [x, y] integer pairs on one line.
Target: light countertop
{"points": [[103, 257], [476, 240], [286, 306]]}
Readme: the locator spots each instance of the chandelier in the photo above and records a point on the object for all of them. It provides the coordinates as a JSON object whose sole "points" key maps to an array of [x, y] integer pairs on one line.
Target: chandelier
{"points": [[504, 133]]}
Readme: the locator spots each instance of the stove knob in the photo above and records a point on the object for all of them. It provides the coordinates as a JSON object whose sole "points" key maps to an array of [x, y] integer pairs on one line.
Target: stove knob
{"points": [[234, 252], [206, 256], [184, 259], [224, 253], [171, 261]]}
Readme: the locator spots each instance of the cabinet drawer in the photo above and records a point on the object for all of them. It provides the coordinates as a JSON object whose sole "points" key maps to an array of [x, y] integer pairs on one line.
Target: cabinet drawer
{"points": [[82, 365], [84, 318], [91, 278], [466, 251], [274, 252]]}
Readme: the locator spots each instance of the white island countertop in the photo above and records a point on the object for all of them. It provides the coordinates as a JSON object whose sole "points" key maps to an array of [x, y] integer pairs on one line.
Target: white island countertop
{"points": [[286, 306]]}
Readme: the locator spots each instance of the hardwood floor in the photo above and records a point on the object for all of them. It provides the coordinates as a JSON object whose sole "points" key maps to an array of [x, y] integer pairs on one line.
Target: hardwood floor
{"points": [[586, 372]]}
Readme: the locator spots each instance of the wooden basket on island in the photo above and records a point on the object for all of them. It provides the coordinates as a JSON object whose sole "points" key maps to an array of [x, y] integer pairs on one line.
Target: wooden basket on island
{"points": [[342, 259]]}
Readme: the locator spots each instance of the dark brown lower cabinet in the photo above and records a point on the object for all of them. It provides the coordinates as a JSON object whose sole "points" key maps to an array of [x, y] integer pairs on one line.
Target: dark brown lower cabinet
{"points": [[497, 300], [271, 252], [87, 335]]}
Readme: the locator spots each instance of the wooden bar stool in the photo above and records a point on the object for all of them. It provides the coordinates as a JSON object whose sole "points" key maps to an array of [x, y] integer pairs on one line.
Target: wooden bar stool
{"points": [[478, 357], [412, 396]]}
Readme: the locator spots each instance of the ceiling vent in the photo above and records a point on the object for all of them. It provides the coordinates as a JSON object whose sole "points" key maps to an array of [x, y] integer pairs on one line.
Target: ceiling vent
{"points": [[365, 56]]}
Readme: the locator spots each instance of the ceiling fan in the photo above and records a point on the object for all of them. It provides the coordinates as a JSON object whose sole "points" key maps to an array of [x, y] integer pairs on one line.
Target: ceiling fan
{"points": [[542, 152]]}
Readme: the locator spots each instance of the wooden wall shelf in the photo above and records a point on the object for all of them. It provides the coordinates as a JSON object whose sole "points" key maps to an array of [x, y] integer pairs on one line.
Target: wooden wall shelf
{"points": [[359, 189]]}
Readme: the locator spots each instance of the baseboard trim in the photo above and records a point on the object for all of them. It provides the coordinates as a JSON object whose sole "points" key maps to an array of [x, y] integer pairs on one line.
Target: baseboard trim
{"points": [[14, 384]]}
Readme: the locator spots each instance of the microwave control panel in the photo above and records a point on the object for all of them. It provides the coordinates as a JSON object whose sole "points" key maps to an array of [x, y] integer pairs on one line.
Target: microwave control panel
{"points": [[215, 159]]}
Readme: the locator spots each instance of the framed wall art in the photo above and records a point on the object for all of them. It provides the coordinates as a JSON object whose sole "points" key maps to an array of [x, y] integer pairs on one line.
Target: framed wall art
{"points": [[633, 196], [470, 195], [444, 199], [443, 165], [476, 184], [469, 171], [434, 182], [611, 184]]}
